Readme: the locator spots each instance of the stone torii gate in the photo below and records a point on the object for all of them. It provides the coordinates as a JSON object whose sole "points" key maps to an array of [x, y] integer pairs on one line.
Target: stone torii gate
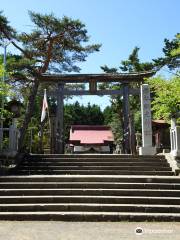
{"points": [[92, 80]]}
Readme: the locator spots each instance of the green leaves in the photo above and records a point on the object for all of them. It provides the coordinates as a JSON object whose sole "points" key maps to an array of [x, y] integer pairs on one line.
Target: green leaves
{"points": [[5, 91], [56, 41], [166, 97], [171, 52], [53, 44], [4, 87], [6, 31], [133, 64]]}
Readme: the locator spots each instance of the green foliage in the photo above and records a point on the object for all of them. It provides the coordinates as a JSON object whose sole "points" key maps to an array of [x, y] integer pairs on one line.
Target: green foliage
{"points": [[171, 51], [176, 51], [133, 64], [106, 69], [108, 114], [116, 126], [113, 118], [166, 97], [4, 87], [6, 30], [5, 91], [137, 119], [54, 44]]}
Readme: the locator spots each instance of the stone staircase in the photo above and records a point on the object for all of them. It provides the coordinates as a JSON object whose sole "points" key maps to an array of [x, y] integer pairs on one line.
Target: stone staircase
{"points": [[94, 165], [91, 188]]}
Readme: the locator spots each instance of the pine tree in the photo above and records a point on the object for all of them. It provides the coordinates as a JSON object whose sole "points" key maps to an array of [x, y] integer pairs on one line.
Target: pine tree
{"points": [[53, 45], [171, 51]]}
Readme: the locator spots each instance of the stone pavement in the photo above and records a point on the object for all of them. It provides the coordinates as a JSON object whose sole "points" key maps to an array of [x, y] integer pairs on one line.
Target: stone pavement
{"points": [[53, 230]]}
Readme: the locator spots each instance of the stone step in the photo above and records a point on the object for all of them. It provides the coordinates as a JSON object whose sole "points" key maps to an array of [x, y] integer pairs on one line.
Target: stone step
{"points": [[79, 168], [92, 178], [86, 185], [93, 172], [95, 156], [90, 192], [91, 188], [89, 216], [90, 199], [85, 163], [83, 156], [83, 207], [97, 159]]}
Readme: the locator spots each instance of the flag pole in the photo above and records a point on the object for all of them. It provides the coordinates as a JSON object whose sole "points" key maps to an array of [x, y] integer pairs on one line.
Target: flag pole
{"points": [[50, 130], [45, 108], [49, 121]]}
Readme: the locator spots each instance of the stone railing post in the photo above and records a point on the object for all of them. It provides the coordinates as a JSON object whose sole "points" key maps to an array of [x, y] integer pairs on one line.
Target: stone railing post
{"points": [[175, 139]]}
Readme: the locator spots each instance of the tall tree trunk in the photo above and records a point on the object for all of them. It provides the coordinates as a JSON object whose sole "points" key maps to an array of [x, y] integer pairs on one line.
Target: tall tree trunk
{"points": [[29, 113], [32, 96]]}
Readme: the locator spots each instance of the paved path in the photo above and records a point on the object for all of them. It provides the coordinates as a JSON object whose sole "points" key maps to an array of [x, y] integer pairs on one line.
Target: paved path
{"points": [[87, 230]]}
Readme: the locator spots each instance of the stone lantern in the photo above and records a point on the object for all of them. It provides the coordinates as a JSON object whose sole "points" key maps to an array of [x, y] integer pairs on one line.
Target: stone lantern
{"points": [[14, 107]]}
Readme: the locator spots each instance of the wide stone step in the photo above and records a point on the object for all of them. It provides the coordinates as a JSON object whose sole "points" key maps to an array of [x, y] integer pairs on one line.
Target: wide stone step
{"points": [[101, 185], [84, 156], [89, 216], [90, 199], [93, 155], [91, 188], [92, 178], [83, 207], [90, 192], [97, 159], [69, 168], [94, 172], [114, 163]]}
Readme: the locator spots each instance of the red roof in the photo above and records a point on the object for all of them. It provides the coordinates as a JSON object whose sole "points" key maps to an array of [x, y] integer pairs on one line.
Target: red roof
{"points": [[91, 135]]}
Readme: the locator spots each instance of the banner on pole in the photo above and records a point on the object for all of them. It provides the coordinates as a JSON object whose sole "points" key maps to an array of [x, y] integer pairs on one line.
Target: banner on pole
{"points": [[44, 107]]}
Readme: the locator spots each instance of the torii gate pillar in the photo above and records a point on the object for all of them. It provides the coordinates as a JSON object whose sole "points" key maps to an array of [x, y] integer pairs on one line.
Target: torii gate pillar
{"points": [[126, 142], [60, 120]]}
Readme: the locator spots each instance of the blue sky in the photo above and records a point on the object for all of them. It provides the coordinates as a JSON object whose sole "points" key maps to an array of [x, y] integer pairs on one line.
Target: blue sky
{"points": [[119, 25]]}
